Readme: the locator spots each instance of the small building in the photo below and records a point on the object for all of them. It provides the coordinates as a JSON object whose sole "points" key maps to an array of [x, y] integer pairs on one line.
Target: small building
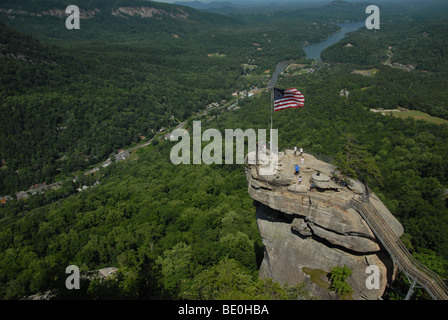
{"points": [[107, 272], [122, 155], [344, 92], [21, 195]]}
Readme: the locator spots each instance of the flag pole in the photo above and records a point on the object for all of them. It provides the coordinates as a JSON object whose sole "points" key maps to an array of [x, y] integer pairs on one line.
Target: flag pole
{"points": [[272, 114]]}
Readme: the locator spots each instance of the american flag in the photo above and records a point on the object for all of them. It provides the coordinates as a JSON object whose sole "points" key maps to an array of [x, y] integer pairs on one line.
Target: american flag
{"points": [[289, 98]]}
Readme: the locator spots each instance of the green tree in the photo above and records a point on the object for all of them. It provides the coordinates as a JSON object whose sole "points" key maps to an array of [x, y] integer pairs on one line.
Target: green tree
{"points": [[338, 276], [240, 247], [228, 280], [358, 163], [176, 266]]}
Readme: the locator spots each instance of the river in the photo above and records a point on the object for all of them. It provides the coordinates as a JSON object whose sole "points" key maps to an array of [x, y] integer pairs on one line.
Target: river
{"points": [[314, 50], [278, 69]]}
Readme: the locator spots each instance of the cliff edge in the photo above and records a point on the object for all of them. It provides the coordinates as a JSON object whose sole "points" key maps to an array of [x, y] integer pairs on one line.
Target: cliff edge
{"points": [[308, 225]]}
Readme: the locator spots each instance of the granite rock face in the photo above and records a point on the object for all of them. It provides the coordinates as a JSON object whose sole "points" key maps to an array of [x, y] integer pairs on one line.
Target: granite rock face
{"points": [[309, 225]]}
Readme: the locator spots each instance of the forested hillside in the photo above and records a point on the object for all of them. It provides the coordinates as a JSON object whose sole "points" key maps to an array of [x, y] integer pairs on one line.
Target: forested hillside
{"points": [[417, 64], [67, 108], [148, 211], [63, 113], [69, 100]]}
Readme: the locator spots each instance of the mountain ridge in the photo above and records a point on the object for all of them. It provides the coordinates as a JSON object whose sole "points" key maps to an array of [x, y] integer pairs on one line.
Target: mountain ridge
{"points": [[118, 8], [114, 21]]}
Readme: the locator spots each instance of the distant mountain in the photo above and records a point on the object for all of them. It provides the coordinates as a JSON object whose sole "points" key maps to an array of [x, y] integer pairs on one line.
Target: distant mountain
{"points": [[91, 8], [207, 5], [107, 20], [346, 4], [252, 7], [32, 5]]}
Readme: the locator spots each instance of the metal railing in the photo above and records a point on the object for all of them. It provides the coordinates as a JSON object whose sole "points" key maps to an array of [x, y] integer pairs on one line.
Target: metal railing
{"points": [[410, 266]]}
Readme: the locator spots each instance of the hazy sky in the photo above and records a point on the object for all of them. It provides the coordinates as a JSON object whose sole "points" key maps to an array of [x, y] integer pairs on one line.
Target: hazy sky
{"points": [[250, 1], [238, 1]]}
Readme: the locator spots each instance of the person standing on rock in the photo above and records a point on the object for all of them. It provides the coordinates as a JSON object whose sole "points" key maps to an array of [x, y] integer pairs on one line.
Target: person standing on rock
{"points": [[297, 168], [301, 151], [295, 150], [300, 179]]}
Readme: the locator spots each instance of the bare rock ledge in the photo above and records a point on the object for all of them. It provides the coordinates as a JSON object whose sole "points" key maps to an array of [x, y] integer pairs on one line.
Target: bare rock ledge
{"points": [[311, 225]]}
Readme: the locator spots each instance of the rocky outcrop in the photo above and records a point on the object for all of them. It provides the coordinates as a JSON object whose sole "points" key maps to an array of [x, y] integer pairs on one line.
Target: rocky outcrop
{"points": [[149, 12], [310, 225], [123, 12], [60, 13]]}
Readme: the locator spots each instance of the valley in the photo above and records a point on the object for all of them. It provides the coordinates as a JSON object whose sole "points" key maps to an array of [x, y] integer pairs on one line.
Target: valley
{"points": [[73, 100]]}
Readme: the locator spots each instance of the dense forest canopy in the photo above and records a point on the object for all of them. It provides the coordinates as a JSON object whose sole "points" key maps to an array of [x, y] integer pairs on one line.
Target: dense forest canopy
{"points": [[69, 100], [124, 84]]}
